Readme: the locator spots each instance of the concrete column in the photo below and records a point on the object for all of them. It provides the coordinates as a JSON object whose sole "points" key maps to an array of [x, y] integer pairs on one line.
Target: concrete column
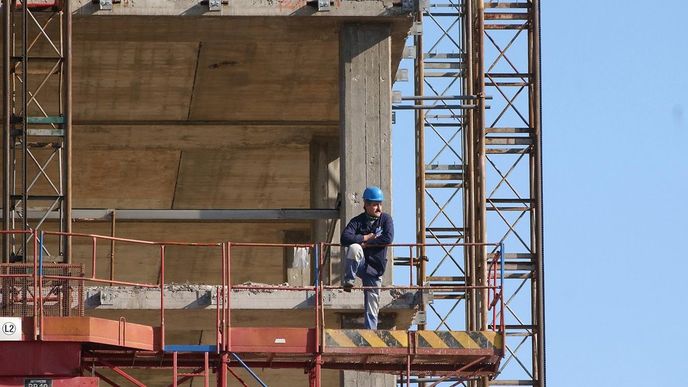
{"points": [[365, 116], [324, 178]]}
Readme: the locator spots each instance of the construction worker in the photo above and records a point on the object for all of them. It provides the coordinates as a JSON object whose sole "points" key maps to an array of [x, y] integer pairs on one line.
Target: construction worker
{"points": [[365, 239]]}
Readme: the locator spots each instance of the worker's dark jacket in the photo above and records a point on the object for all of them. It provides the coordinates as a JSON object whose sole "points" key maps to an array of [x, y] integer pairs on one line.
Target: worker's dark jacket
{"points": [[375, 257]]}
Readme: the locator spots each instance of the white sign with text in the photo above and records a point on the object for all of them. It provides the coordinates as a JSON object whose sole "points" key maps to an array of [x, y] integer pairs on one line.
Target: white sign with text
{"points": [[10, 328]]}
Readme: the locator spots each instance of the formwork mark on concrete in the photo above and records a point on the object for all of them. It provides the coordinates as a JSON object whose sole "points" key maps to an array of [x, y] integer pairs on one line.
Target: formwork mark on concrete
{"points": [[193, 85]]}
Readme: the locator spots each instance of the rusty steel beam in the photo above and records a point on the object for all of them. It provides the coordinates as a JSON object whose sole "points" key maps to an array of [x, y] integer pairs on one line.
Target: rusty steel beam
{"points": [[6, 119], [66, 98], [523, 134], [487, 212], [537, 224], [31, 99], [469, 146], [419, 90]]}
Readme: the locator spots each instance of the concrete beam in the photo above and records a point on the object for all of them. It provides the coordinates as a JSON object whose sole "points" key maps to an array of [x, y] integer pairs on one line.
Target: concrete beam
{"points": [[176, 135], [368, 8], [204, 297], [155, 215]]}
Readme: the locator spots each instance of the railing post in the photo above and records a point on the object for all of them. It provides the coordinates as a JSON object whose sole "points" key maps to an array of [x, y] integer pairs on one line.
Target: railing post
{"points": [[94, 242], [316, 250], [175, 369], [206, 370], [411, 264], [35, 285], [220, 302], [222, 369], [408, 370], [228, 304], [495, 293], [162, 298], [502, 257], [40, 285], [321, 285], [314, 375]]}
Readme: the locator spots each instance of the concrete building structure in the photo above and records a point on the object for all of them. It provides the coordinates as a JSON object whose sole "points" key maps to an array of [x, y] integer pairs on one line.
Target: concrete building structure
{"points": [[240, 111], [259, 116]]}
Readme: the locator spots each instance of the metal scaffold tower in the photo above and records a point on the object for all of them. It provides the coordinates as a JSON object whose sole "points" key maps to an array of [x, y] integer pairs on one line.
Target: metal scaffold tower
{"points": [[37, 124], [479, 170]]}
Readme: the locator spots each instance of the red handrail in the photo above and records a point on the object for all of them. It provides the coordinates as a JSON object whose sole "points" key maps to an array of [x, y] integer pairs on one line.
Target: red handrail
{"points": [[494, 287], [94, 259]]}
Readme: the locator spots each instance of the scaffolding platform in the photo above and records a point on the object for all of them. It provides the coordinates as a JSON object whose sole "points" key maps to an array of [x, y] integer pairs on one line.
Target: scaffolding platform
{"points": [[374, 350], [93, 332], [475, 353], [72, 345]]}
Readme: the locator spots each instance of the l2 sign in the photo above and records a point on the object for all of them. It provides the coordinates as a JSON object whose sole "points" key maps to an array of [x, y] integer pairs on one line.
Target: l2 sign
{"points": [[10, 328]]}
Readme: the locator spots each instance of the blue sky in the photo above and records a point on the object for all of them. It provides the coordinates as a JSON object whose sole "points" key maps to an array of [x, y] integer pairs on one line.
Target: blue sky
{"points": [[615, 121], [615, 98]]}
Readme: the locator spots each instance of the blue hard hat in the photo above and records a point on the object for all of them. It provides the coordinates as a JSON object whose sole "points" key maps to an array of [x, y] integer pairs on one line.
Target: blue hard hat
{"points": [[373, 194]]}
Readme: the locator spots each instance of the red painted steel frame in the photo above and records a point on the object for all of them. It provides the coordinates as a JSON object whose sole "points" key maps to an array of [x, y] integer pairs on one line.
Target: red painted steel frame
{"points": [[160, 285], [305, 346], [39, 5], [39, 358], [123, 374], [57, 381]]}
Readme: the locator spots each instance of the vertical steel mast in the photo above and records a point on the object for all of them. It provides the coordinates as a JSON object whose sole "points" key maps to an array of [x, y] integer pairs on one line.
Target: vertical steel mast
{"points": [[37, 124], [479, 169], [445, 104], [513, 169]]}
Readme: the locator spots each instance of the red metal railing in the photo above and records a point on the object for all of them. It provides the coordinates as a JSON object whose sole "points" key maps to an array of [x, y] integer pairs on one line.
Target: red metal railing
{"points": [[38, 277], [39, 4], [493, 288], [111, 281], [230, 246], [27, 276]]}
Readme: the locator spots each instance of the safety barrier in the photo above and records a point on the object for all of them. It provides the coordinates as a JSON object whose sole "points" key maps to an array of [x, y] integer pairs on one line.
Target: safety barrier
{"points": [[38, 275], [319, 252], [410, 343]]}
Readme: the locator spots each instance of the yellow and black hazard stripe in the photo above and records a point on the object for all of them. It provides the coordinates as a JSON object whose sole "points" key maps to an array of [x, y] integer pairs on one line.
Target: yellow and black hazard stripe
{"points": [[365, 338], [458, 339]]}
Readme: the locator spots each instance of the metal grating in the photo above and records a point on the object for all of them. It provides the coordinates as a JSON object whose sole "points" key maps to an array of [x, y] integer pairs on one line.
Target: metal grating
{"points": [[60, 297]]}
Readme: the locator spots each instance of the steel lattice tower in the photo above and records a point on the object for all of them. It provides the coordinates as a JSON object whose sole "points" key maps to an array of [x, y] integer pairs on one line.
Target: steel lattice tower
{"points": [[479, 169], [37, 94]]}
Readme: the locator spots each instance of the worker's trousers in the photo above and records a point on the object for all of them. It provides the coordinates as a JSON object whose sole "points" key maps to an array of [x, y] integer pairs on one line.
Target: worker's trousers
{"points": [[355, 266]]}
